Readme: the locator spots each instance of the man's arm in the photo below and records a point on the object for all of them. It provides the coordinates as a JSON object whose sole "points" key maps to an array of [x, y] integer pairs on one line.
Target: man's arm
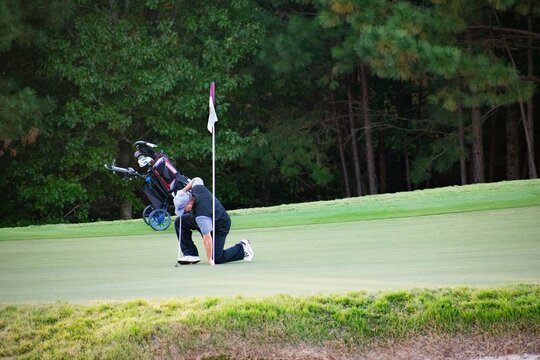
{"points": [[194, 182], [207, 241], [187, 187], [205, 225]]}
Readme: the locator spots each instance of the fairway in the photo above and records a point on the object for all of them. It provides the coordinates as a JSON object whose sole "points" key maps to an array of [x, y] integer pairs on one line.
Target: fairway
{"points": [[478, 248]]}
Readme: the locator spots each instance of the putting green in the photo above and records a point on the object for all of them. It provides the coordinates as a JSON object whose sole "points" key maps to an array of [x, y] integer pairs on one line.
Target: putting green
{"points": [[480, 248]]}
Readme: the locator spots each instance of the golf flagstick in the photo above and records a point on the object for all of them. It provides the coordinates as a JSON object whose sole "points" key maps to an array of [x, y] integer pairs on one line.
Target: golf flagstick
{"points": [[212, 119], [214, 195], [179, 237], [179, 250]]}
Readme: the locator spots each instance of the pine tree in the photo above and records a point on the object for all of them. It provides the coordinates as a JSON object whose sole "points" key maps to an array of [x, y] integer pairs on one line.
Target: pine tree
{"points": [[394, 40], [408, 42], [497, 84]]}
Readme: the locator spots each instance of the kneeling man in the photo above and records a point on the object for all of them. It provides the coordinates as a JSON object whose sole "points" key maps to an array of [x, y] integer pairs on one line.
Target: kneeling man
{"points": [[193, 207]]}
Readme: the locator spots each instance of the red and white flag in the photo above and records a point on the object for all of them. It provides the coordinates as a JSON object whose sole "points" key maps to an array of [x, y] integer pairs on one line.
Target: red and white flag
{"points": [[212, 118]]}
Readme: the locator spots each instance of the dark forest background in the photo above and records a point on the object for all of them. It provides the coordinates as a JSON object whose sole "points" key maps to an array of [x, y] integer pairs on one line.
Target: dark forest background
{"points": [[316, 99]]}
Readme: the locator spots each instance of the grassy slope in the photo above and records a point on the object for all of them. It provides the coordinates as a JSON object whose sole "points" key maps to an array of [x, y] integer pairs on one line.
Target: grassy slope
{"points": [[500, 195], [236, 327]]}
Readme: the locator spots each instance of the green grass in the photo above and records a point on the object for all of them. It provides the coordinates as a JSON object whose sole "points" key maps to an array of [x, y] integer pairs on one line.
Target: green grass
{"points": [[472, 248], [502, 195], [184, 328], [337, 272], [480, 248]]}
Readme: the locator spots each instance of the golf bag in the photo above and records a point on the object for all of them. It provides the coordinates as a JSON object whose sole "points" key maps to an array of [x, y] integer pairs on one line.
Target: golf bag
{"points": [[161, 181]]}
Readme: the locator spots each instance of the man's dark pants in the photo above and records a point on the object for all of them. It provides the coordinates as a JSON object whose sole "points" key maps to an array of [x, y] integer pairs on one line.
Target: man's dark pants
{"points": [[223, 225]]}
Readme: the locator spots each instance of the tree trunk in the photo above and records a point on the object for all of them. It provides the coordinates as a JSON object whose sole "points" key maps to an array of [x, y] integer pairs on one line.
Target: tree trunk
{"points": [[343, 161], [407, 167], [382, 164], [525, 112], [477, 146], [529, 138], [126, 207], [531, 158], [462, 150], [492, 140], [370, 155], [126, 210], [512, 144], [352, 129], [341, 149], [114, 9]]}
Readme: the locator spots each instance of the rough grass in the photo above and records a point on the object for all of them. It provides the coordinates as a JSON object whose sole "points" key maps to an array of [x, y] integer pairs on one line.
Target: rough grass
{"points": [[501, 195], [240, 327]]}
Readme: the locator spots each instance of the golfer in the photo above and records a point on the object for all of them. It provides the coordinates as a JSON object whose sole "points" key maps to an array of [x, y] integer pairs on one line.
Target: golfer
{"points": [[193, 207]]}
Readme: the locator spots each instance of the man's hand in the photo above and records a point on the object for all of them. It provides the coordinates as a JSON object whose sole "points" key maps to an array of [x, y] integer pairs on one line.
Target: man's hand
{"points": [[188, 186]]}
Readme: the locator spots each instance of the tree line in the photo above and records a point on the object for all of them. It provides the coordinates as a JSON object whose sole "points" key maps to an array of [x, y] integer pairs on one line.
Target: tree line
{"points": [[316, 99]]}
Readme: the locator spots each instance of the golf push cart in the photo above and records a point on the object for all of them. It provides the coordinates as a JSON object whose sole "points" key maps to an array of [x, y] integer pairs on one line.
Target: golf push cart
{"points": [[161, 181]]}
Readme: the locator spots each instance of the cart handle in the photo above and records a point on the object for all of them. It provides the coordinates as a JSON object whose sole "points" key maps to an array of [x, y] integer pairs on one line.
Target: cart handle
{"points": [[126, 173]]}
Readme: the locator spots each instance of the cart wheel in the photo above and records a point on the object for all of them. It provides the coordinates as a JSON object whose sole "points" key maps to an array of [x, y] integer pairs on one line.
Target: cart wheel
{"points": [[159, 220], [146, 214]]}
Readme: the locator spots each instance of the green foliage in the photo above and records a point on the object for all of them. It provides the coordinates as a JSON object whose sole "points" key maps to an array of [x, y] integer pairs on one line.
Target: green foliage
{"points": [[292, 51], [24, 23], [82, 80], [291, 157], [21, 114], [22, 108], [397, 55], [497, 84], [129, 72], [400, 40], [442, 151]]}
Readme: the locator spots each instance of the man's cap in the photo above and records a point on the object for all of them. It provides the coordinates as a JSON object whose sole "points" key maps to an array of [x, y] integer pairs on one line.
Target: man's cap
{"points": [[180, 201]]}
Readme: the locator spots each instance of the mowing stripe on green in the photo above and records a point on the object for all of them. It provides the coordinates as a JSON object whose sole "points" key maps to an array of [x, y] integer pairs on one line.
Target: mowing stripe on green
{"points": [[481, 248]]}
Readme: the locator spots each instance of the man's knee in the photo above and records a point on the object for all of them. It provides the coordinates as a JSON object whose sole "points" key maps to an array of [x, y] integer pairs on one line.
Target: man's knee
{"points": [[219, 258]]}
